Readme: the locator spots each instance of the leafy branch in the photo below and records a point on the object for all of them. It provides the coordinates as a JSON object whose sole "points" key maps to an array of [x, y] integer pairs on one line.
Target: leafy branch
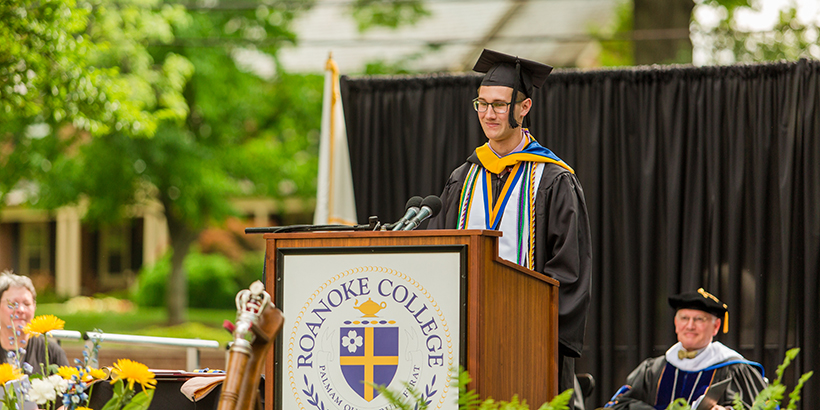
{"points": [[467, 399], [313, 397]]}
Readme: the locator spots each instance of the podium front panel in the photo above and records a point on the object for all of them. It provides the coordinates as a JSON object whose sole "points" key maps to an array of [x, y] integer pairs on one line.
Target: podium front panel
{"points": [[356, 317], [506, 335]]}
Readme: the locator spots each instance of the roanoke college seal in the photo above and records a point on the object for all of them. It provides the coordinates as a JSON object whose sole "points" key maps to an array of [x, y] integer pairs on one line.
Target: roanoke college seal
{"points": [[364, 327]]}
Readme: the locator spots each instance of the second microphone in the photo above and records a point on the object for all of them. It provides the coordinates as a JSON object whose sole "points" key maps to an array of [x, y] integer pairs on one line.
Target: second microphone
{"points": [[430, 207]]}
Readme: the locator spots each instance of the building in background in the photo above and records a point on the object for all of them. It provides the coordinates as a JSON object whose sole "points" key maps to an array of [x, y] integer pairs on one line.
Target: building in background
{"points": [[61, 252]]}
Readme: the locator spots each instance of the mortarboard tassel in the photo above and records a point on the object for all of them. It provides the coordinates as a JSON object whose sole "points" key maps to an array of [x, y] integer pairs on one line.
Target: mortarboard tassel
{"points": [[511, 112], [726, 322]]}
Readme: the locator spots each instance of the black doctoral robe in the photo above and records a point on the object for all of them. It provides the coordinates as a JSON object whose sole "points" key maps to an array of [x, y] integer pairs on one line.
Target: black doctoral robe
{"points": [[645, 393], [563, 247]]}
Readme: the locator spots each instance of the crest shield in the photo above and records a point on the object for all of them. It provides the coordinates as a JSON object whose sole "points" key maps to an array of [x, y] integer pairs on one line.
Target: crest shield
{"points": [[368, 355]]}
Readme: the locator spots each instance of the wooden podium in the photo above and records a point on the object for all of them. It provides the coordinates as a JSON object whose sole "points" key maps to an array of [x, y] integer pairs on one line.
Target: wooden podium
{"points": [[509, 314]]}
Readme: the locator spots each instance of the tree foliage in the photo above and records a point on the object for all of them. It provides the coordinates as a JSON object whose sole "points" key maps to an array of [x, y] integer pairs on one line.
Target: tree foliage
{"points": [[127, 114], [73, 69], [616, 47], [84, 64], [244, 136], [720, 36], [467, 399], [727, 40], [116, 104], [387, 13]]}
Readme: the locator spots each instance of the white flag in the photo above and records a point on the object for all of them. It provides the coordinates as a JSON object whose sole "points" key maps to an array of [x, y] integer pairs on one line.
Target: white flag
{"points": [[335, 202]]}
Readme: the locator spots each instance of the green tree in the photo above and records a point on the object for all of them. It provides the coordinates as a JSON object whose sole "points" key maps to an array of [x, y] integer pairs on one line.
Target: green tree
{"points": [[719, 33], [646, 32], [661, 31], [61, 70], [204, 125], [244, 136], [726, 40], [615, 39], [387, 13], [254, 136]]}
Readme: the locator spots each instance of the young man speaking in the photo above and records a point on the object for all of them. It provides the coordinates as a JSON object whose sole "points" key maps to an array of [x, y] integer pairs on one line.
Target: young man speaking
{"points": [[515, 185]]}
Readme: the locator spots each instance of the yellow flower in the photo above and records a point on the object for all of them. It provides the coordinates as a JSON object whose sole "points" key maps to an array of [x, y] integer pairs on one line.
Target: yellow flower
{"points": [[95, 374], [43, 324], [84, 408], [133, 372], [98, 373], [66, 372], [9, 373]]}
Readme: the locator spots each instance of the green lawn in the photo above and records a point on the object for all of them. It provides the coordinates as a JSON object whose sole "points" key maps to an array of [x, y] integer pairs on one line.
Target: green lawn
{"points": [[202, 323]]}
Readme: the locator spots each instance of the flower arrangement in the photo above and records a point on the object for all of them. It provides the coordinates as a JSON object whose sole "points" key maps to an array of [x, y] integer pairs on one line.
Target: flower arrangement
{"points": [[71, 386]]}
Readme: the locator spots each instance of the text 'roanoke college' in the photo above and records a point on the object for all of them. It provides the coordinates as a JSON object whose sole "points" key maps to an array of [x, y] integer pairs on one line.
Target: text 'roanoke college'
{"points": [[354, 288]]}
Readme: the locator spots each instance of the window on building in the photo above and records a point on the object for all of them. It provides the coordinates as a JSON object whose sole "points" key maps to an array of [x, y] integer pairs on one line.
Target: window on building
{"points": [[35, 249], [114, 262]]}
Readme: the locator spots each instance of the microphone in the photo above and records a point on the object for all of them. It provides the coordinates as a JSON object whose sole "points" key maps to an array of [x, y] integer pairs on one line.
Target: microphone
{"points": [[430, 206], [412, 208]]}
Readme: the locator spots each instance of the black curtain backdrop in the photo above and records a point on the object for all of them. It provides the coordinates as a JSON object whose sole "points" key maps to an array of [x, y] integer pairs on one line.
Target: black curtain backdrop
{"points": [[694, 177]]}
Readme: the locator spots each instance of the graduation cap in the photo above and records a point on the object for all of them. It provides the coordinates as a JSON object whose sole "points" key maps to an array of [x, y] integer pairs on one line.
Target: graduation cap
{"points": [[703, 301], [511, 71]]}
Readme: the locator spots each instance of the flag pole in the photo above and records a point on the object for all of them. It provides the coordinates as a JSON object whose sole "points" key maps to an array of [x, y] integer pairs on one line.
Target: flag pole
{"points": [[334, 72]]}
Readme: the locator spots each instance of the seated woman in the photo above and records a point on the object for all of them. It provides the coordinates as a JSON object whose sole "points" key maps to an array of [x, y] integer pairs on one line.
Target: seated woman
{"points": [[17, 305]]}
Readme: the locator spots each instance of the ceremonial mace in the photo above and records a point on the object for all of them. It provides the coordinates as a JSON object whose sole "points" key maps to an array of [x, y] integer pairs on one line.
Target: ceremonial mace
{"points": [[258, 322]]}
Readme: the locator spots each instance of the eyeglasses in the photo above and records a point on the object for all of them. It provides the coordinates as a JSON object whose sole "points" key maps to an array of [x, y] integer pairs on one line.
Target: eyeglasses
{"points": [[699, 320], [498, 107]]}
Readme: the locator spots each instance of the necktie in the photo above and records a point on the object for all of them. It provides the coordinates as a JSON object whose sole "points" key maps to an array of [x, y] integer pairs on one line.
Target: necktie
{"points": [[683, 354]]}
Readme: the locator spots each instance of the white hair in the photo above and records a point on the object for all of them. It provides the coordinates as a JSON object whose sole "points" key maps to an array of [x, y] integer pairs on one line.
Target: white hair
{"points": [[8, 279]]}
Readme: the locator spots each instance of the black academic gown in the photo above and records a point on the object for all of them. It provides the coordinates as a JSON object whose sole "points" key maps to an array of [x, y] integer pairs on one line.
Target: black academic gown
{"points": [[563, 251], [562, 242], [643, 395]]}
